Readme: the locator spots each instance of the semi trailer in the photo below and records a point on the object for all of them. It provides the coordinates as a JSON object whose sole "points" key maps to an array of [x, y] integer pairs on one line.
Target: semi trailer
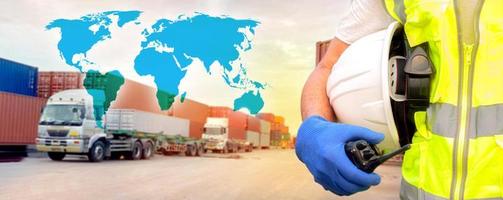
{"points": [[70, 125]]}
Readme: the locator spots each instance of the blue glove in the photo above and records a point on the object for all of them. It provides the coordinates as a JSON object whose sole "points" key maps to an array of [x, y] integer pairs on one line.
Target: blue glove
{"points": [[320, 145]]}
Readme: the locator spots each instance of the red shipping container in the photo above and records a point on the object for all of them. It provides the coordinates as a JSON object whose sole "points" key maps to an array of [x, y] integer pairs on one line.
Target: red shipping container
{"points": [[191, 110], [266, 116], [19, 117], [196, 129], [253, 124], [53, 82], [237, 121]]}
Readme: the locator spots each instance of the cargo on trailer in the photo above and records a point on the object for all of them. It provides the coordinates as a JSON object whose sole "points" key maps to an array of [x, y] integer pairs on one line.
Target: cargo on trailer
{"points": [[135, 120], [19, 117], [253, 138], [265, 134], [18, 78]]}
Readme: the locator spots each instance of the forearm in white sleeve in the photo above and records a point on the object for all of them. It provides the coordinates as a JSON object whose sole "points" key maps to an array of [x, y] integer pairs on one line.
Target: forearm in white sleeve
{"points": [[365, 17]]}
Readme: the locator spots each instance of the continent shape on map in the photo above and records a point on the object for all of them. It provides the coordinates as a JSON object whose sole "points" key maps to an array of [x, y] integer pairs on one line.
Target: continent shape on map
{"points": [[170, 47], [78, 36], [103, 88]]}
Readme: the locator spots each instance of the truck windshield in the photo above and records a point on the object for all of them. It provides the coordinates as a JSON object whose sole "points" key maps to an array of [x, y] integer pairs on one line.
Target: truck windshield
{"points": [[69, 115], [214, 131]]}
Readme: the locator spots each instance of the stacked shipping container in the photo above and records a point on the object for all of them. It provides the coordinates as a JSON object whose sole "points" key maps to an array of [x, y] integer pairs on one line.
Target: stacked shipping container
{"points": [[18, 78], [50, 83]]}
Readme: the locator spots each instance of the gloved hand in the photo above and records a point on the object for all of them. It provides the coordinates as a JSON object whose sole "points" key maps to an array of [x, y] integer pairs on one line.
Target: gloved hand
{"points": [[320, 145]]}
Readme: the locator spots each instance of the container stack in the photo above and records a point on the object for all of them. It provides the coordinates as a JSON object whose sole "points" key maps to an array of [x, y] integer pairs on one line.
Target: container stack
{"points": [[267, 127], [20, 107], [50, 83], [237, 121], [193, 111], [253, 131]]}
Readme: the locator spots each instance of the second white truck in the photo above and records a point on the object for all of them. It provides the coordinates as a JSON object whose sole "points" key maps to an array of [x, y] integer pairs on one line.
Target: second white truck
{"points": [[217, 137]]}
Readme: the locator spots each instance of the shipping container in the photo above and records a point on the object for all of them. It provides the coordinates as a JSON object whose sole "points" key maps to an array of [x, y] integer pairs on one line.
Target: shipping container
{"points": [[50, 83], [135, 120], [237, 121], [253, 137], [253, 124], [196, 129], [191, 110], [279, 119], [265, 127], [265, 133], [19, 117], [18, 78], [266, 116], [321, 49]]}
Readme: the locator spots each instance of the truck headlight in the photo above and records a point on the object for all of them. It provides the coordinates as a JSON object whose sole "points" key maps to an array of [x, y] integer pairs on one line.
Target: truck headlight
{"points": [[73, 134]]}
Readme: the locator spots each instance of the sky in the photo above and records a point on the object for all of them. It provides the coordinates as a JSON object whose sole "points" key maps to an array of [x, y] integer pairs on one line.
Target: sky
{"points": [[282, 56]]}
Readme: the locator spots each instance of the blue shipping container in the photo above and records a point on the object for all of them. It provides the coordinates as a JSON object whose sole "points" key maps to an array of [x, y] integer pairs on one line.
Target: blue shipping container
{"points": [[18, 78]]}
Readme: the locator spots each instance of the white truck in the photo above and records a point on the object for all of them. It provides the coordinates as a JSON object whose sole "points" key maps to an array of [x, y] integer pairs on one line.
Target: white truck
{"points": [[68, 125], [217, 137]]}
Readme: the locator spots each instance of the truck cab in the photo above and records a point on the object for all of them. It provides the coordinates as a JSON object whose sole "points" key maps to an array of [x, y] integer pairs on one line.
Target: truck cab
{"points": [[68, 126], [216, 135]]}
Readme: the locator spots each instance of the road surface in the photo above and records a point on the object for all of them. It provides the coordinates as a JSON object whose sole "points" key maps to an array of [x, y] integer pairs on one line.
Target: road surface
{"points": [[262, 174]]}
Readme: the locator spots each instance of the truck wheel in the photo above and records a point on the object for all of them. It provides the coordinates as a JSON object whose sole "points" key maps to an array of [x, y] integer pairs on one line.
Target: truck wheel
{"points": [[200, 150], [147, 151], [225, 150], [56, 156], [191, 150], [97, 152], [136, 152]]}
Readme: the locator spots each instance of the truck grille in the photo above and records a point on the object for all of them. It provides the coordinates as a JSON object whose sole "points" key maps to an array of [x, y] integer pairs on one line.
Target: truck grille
{"points": [[57, 133]]}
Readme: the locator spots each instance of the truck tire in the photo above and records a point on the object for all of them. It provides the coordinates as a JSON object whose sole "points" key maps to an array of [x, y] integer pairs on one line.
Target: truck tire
{"points": [[136, 152], [148, 150], [225, 150], [200, 150], [56, 156], [191, 150], [97, 152]]}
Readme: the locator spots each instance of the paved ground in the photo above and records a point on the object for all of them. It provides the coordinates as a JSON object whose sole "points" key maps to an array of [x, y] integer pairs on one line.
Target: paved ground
{"points": [[266, 174]]}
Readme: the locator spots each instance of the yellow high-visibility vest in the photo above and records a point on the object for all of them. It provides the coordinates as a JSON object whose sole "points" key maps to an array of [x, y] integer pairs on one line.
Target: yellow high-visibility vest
{"points": [[457, 151]]}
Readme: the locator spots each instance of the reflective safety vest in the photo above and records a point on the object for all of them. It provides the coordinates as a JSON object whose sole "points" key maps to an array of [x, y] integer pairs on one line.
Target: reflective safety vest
{"points": [[457, 151]]}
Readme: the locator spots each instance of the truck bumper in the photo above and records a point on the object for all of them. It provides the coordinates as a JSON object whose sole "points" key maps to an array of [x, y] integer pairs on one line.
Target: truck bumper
{"points": [[62, 145], [214, 146]]}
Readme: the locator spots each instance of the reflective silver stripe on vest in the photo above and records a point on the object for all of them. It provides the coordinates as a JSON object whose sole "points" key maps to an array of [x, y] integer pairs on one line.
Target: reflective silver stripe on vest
{"points": [[398, 9], [410, 192], [484, 120]]}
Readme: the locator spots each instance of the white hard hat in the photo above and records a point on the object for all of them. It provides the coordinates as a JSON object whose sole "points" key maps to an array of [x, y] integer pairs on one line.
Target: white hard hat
{"points": [[360, 83]]}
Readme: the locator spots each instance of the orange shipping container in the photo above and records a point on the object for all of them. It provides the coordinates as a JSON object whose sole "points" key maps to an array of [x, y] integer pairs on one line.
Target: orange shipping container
{"points": [[191, 110], [19, 117], [253, 124], [266, 116], [321, 50], [196, 129], [237, 121], [279, 119]]}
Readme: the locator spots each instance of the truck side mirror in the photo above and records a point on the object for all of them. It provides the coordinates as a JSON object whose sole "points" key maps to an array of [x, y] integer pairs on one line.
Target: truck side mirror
{"points": [[75, 110]]}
